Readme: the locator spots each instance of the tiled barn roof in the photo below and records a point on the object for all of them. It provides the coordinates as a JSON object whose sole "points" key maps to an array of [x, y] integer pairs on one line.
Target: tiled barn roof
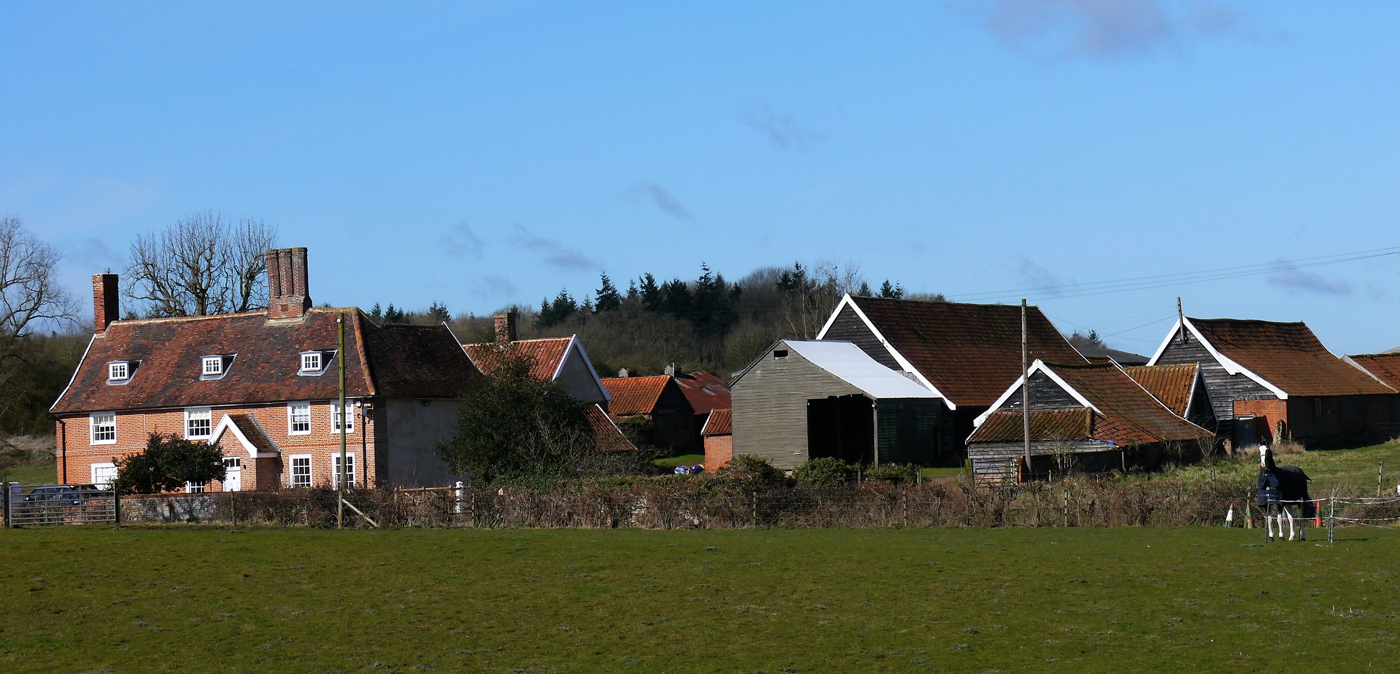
{"points": [[1384, 366], [721, 422], [1171, 384], [635, 395], [969, 352], [1287, 355], [547, 354]]}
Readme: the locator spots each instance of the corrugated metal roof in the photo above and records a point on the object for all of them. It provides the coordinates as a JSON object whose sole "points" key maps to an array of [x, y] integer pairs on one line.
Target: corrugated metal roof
{"points": [[848, 363], [704, 391]]}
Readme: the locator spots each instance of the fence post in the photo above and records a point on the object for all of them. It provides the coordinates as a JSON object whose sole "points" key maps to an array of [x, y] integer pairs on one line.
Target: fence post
{"points": [[754, 498], [7, 505], [1331, 518], [116, 506]]}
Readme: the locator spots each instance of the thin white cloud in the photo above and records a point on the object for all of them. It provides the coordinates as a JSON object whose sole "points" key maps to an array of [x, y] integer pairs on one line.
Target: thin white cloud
{"points": [[462, 241], [1101, 29], [1296, 281], [781, 128], [662, 199], [555, 253], [1038, 277]]}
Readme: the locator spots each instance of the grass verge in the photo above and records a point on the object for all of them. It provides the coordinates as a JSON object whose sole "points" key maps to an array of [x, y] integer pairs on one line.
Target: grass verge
{"points": [[837, 600]]}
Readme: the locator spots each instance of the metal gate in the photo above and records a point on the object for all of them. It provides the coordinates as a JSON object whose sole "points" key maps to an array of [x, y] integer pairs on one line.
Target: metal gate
{"points": [[54, 504]]}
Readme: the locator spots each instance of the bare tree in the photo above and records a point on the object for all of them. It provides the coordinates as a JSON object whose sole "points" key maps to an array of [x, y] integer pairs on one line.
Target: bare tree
{"points": [[812, 294], [200, 266], [29, 295]]}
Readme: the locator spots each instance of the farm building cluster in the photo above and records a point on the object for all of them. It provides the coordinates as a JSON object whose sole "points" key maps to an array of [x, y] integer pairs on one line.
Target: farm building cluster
{"points": [[884, 381]]}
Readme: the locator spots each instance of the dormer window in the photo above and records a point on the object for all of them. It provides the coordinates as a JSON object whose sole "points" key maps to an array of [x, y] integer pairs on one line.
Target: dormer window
{"points": [[314, 362], [213, 366], [118, 371]]}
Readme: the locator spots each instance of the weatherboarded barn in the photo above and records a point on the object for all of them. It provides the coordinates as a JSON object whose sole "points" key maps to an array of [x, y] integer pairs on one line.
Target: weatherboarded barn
{"points": [[1269, 380], [1091, 417], [802, 400], [965, 354]]}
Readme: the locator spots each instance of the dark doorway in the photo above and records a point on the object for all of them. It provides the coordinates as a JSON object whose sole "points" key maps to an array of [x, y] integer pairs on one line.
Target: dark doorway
{"points": [[1246, 432], [843, 428]]}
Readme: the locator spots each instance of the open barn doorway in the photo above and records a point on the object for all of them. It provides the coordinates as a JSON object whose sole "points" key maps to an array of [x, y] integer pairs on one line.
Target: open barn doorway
{"points": [[843, 428]]}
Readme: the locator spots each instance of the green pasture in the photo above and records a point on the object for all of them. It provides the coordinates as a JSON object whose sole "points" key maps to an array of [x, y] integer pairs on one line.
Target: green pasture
{"points": [[1351, 471], [194, 598]]}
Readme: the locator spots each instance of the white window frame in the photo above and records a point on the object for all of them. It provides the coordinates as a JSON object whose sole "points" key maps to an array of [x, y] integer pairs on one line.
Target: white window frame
{"points": [[335, 469], [195, 487], [291, 418], [190, 414], [92, 428], [105, 468], [320, 359], [120, 367], [292, 470], [211, 366], [335, 418]]}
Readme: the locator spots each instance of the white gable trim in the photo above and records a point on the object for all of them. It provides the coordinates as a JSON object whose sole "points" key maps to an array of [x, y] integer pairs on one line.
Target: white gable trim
{"points": [[226, 424], [1231, 367], [75, 373], [1037, 366], [899, 358], [575, 343]]}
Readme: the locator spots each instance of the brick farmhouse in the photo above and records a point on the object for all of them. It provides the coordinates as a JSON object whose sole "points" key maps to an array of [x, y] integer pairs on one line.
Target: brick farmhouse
{"points": [[264, 387]]}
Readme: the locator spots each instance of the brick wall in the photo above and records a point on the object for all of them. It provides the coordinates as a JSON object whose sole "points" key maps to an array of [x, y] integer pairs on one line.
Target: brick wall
{"points": [[719, 451], [1267, 414], [77, 453]]}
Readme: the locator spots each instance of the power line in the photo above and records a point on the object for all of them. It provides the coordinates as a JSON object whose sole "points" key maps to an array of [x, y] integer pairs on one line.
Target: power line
{"points": [[1068, 290]]}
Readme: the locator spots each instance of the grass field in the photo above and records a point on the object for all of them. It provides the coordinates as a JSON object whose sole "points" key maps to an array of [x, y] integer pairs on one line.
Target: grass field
{"points": [[1350, 470], [966, 600]]}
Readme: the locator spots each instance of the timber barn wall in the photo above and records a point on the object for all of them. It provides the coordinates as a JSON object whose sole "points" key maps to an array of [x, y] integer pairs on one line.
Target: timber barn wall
{"points": [[770, 406]]}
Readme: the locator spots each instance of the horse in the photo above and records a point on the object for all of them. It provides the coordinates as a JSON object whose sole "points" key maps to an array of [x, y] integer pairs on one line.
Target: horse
{"points": [[1279, 488]]}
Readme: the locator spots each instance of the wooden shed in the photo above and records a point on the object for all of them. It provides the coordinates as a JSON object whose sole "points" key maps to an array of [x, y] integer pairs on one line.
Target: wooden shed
{"points": [[1093, 417], [801, 400]]}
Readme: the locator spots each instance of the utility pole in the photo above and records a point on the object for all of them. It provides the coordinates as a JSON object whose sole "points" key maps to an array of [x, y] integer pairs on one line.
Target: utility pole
{"points": [[340, 483], [1025, 390]]}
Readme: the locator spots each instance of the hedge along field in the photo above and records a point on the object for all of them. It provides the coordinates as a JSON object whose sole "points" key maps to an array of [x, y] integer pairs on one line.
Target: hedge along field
{"points": [[193, 598]]}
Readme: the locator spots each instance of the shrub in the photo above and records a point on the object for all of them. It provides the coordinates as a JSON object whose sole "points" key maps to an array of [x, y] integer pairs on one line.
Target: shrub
{"points": [[640, 430], [167, 463], [893, 473], [826, 471], [752, 473]]}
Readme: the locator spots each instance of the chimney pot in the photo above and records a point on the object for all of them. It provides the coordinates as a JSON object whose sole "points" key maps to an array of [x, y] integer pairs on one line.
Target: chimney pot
{"points": [[106, 305], [287, 294]]}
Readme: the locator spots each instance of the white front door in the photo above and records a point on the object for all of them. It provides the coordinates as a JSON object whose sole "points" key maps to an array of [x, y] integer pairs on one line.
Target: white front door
{"points": [[233, 473]]}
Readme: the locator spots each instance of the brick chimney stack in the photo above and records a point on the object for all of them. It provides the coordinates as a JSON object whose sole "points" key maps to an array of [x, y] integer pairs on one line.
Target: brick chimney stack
{"points": [[505, 327], [287, 293], [106, 306]]}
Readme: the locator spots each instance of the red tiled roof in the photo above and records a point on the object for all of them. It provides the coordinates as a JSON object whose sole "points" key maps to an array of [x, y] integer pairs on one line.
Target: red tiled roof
{"points": [[417, 361], [969, 352], [1171, 384], [721, 422], [1287, 355], [547, 354], [606, 433], [704, 391], [1064, 424], [1385, 366], [635, 395], [1129, 414]]}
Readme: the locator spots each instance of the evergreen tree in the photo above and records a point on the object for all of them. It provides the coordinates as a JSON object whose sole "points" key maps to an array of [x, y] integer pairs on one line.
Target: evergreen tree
{"points": [[558, 311], [608, 297], [675, 298], [651, 295], [891, 292], [438, 313]]}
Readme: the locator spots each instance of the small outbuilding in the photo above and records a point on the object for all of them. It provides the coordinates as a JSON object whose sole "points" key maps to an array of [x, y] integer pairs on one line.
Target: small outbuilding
{"points": [[801, 400], [718, 434]]}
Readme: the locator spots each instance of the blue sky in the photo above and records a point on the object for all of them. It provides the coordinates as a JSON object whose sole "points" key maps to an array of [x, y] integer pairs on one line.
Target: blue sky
{"points": [[483, 154]]}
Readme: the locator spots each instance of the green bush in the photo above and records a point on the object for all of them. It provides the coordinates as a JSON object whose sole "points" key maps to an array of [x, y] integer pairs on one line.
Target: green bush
{"points": [[893, 473], [826, 471], [639, 430], [167, 463]]}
